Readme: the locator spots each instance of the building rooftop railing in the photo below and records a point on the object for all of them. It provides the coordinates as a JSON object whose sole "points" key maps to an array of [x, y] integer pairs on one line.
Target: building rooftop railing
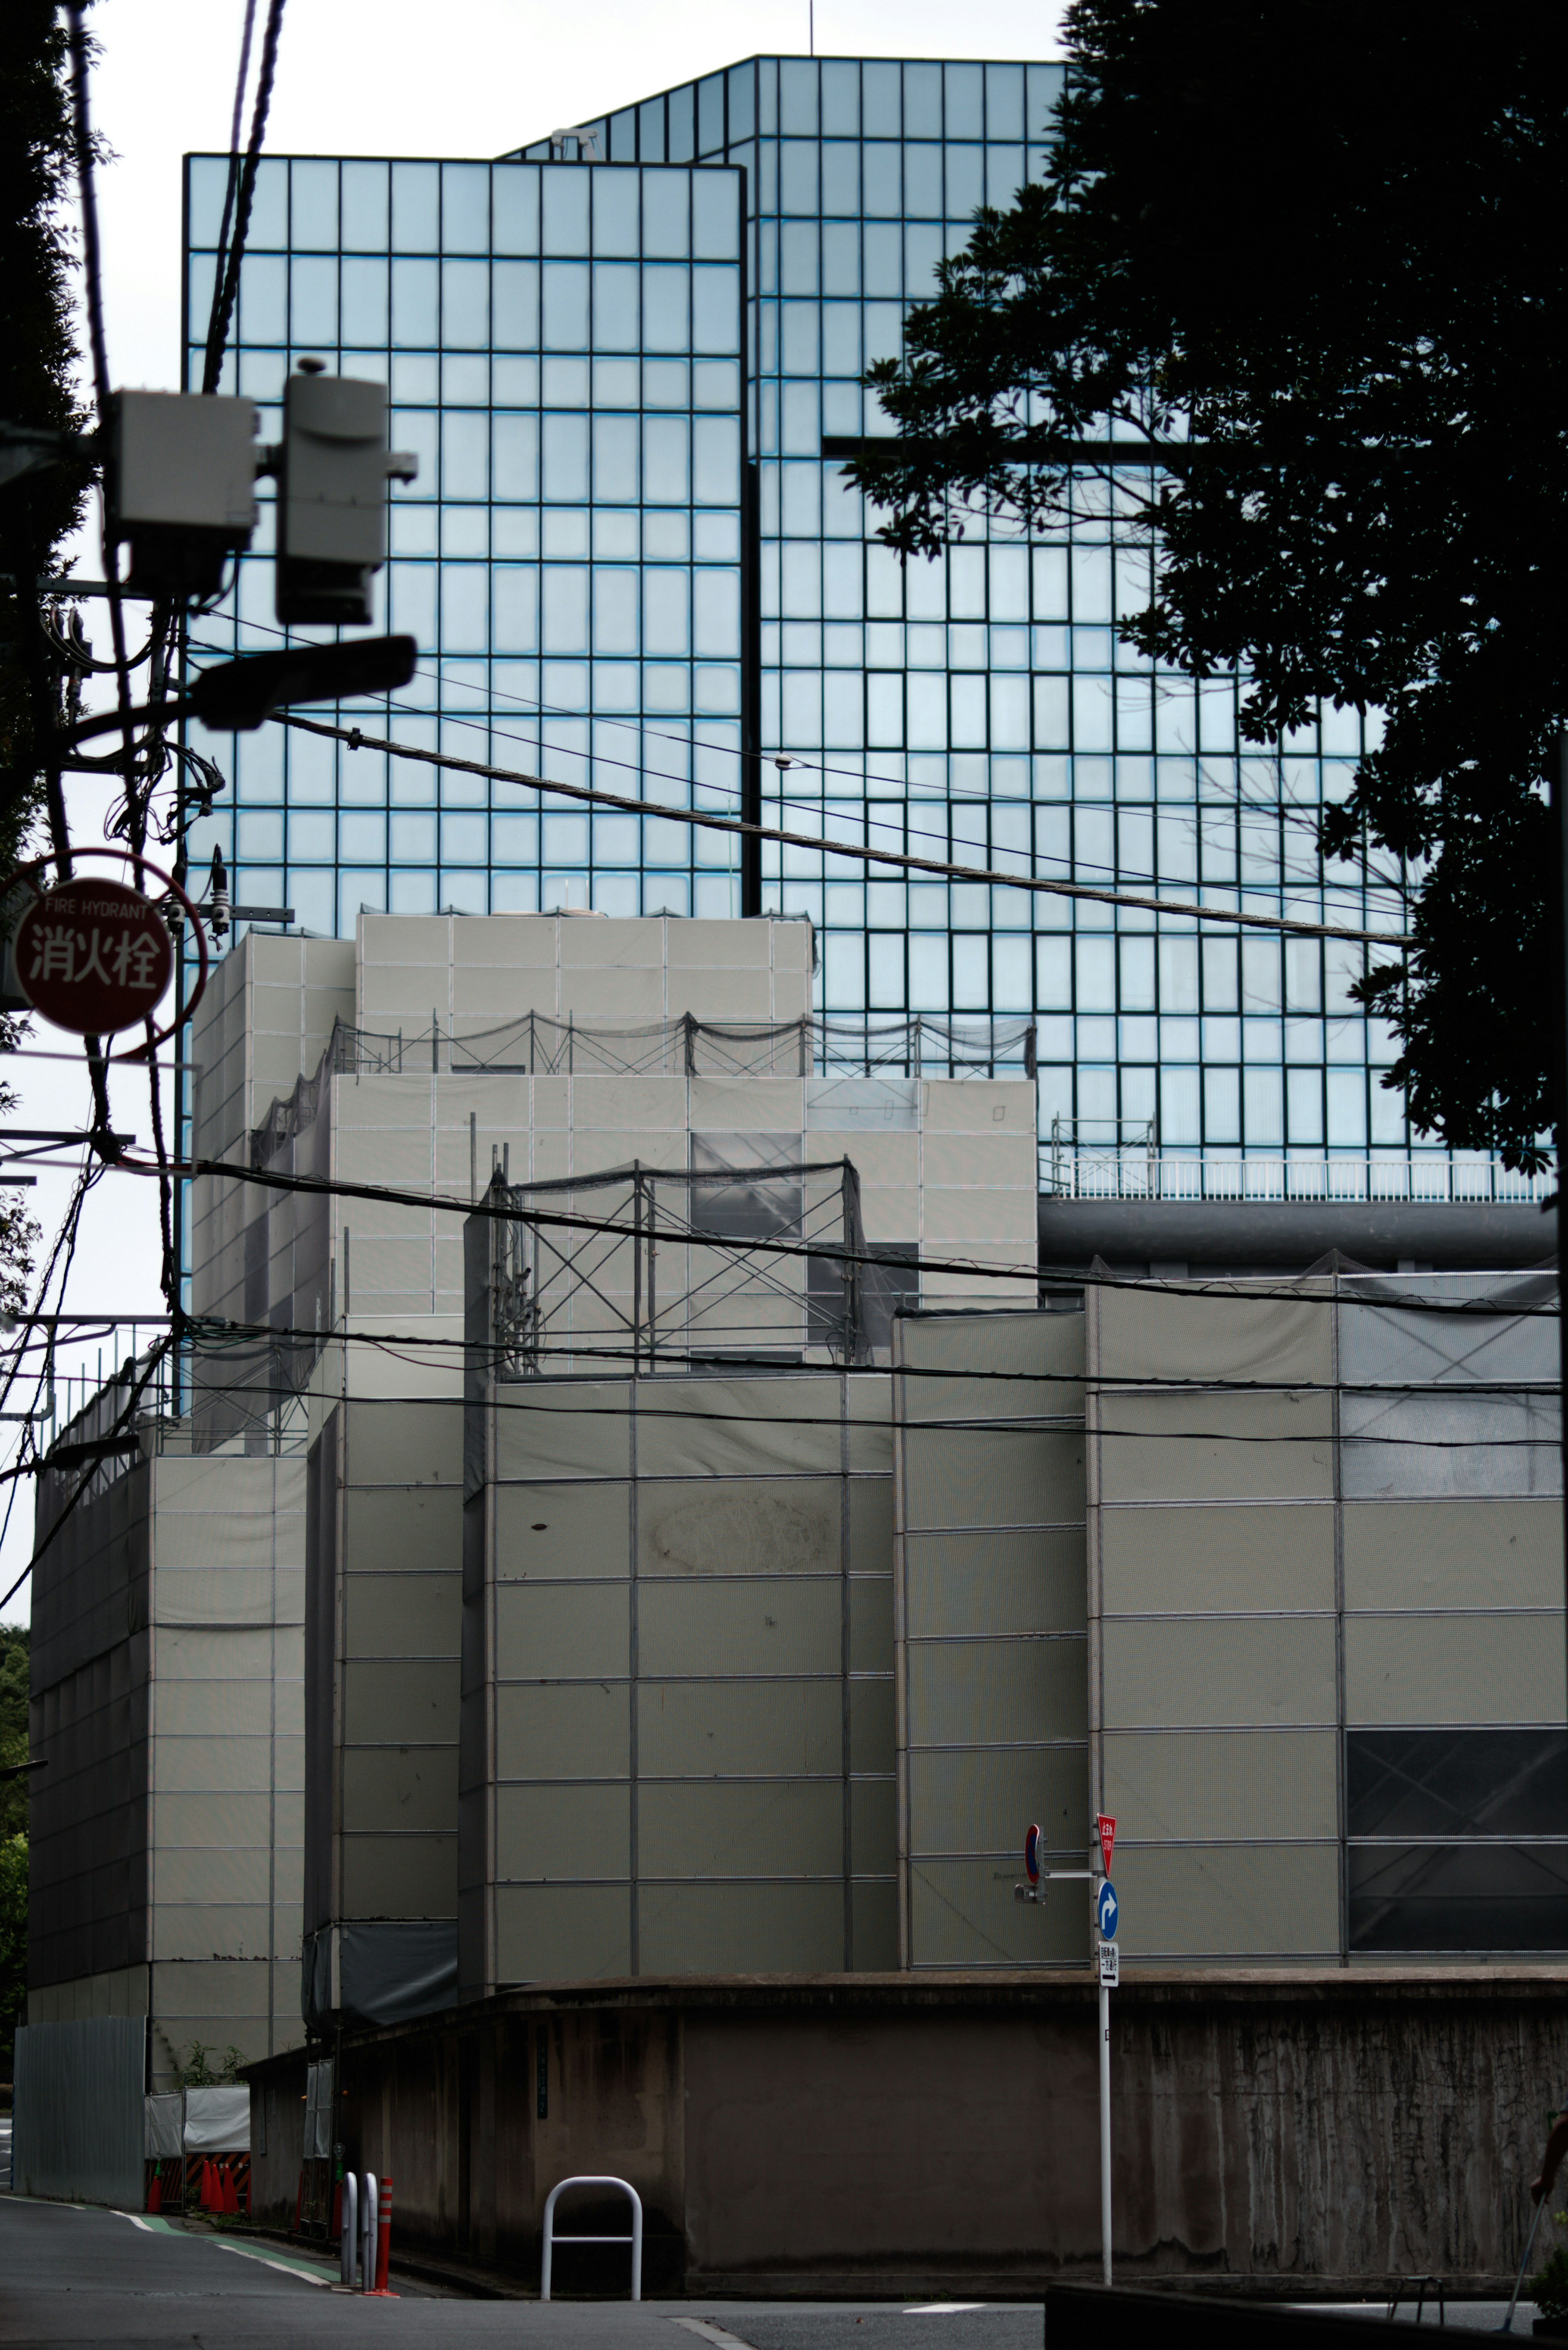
{"points": [[537, 1045], [1152, 1170]]}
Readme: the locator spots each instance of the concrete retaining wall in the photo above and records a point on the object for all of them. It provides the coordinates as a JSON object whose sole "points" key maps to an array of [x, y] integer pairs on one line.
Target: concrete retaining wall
{"points": [[867, 2134]]}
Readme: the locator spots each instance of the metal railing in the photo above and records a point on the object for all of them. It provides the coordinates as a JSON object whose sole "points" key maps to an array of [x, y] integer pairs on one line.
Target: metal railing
{"points": [[538, 1044], [634, 2240], [1155, 1172]]}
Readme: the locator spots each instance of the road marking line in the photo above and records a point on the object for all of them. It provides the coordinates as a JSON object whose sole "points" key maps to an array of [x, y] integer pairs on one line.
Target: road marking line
{"points": [[284, 2266], [712, 2333], [942, 2308], [152, 2227]]}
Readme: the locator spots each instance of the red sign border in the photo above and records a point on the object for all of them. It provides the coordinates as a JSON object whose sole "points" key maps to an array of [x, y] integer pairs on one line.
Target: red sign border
{"points": [[135, 908], [29, 875]]}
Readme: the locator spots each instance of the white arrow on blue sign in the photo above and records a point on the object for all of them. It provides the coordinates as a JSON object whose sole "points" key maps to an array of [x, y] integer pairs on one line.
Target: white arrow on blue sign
{"points": [[1108, 1911]]}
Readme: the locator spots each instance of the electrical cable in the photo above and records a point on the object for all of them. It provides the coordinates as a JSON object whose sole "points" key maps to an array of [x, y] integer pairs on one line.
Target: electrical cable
{"points": [[226, 290], [904, 831], [358, 740], [92, 278], [968, 1424], [897, 786], [239, 1338], [232, 182], [1063, 1277], [65, 1240], [155, 1354]]}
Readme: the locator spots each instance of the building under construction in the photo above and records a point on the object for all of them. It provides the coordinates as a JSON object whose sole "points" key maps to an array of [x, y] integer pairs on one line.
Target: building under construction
{"points": [[701, 1543]]}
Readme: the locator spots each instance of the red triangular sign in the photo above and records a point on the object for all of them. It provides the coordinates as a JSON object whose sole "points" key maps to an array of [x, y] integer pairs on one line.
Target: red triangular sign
{"points": [[1107, 1828]]}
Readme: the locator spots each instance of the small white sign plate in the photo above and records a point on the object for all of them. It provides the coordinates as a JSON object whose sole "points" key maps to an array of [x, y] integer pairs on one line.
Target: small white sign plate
{"points": [[1110, 1965]]}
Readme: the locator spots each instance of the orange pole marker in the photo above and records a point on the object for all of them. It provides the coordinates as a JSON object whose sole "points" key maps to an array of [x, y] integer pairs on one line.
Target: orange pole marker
{"points": [[383, 2238]]}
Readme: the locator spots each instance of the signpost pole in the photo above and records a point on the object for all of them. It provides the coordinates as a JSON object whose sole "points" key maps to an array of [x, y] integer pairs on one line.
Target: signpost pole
{"points": [[1104, 2125], [1108, 1955]]}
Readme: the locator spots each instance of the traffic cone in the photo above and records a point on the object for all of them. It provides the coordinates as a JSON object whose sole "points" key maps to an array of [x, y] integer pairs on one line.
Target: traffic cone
{"points": [[155, 2192], [231, 2201]]}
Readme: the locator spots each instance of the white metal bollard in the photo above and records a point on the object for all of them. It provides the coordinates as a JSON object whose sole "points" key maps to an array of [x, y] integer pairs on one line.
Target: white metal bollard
{"points": [[634, 2240], [368, 2234], [347, 2242]]}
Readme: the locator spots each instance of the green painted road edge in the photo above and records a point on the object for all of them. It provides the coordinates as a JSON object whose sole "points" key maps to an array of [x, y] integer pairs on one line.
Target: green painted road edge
{"points": [[312, 2271], [308, 2270]]}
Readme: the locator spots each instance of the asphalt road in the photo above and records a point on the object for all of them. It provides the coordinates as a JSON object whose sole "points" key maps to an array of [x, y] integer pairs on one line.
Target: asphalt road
{"points": [[70, 2276]]}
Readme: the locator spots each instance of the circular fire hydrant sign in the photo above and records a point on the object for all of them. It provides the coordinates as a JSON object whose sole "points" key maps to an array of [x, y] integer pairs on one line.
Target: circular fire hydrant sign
{"points": [[93, 956]]}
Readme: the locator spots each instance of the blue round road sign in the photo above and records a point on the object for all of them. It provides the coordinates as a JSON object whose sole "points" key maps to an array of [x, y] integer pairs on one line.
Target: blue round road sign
{"points": [[1108, 1911], [1031, 1856]]}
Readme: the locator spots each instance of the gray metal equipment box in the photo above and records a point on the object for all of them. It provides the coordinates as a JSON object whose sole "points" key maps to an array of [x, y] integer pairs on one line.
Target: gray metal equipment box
{"points": [[332, 475], [182, 471]]}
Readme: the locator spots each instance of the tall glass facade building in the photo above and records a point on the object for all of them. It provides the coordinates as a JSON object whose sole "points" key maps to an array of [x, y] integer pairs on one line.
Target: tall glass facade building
{"points": [[628, 562]]}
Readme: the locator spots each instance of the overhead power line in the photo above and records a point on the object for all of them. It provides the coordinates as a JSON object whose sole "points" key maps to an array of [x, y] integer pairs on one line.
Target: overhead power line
{"points": [[225, 290], [1057, 1277], [1189, 814], [358, 740], [238, 1336]]}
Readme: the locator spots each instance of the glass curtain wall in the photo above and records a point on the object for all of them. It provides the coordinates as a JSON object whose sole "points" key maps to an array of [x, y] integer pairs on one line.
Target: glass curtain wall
{"points": [[617, 355], [563, 353], [981, 707]]}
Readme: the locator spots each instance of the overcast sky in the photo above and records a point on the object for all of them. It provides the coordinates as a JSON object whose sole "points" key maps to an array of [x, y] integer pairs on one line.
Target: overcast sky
{"points": [[364, 76]]}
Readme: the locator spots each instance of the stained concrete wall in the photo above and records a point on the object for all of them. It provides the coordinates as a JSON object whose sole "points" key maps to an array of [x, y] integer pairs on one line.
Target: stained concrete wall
{"points": [[1326, 2133]]}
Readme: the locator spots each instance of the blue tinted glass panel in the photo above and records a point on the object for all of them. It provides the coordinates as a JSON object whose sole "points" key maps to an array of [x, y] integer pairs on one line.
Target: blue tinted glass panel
{"points": [[514, 201], [514, 289], [269, 207], [616, 211], [416, 303], [881, 112], [682, 125], [207, 177], [366, 189], [840, 97], [711, 115], [565, 210], [465, 303], [666, 213], [364, 300], [313, 206], [565, 305], [465, 207], [666, 307], [416, 207], [264, 298], [964, 112], [742, 102]]}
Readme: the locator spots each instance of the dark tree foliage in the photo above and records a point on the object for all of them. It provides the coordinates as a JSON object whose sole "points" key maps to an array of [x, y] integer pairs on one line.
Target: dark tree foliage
{"points": [[37, 369], [13, 1836], [38, 510], [1324, 245], [14, 1670]]}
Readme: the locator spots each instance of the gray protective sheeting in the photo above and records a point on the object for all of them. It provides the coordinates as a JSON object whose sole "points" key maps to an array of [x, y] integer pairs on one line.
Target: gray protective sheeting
{"points": [[162, 2142], [218, 2120], [388, 1970], [80, 2119]]}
